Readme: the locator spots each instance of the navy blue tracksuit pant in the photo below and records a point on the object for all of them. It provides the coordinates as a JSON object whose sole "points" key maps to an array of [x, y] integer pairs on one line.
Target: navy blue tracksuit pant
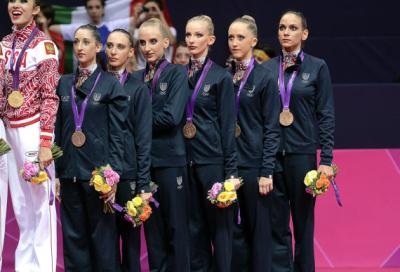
{"points": [[166, 230], [252, 246], [289, 197], [130, 236], [209, 225]]}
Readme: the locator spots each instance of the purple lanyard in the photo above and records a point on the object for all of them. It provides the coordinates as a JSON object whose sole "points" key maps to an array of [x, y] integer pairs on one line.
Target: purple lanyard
{"points": [[79, 116], [160, 69], [286, 91], [190, 105], [242, 83], [15, 83], [123, 77]]}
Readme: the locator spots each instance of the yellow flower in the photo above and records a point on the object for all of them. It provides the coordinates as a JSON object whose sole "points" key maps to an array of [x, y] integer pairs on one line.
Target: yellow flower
{"points": [[222, 197], [41, 178], [131, 209], [137, 201], [105, 188], [310, 176], [231, 196], [228, 186], [97, 181]]}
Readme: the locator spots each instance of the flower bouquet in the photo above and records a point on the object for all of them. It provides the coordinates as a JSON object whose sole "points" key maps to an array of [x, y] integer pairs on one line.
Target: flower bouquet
{"points": [[137, 211], [31, 173], [103, 180], [4, 147], [56, 151], [223, 194]]}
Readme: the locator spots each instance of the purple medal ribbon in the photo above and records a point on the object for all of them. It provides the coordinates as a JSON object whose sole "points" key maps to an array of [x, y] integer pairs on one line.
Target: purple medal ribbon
{"points": [[15, 73], [286, 91], [51, 200], [160, 68], [79, 116], [190, 105], [123, 77], [246, 75], [337, 193]]}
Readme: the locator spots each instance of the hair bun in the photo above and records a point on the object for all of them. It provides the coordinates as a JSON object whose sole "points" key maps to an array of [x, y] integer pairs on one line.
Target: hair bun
{"points": [[248, 17]]}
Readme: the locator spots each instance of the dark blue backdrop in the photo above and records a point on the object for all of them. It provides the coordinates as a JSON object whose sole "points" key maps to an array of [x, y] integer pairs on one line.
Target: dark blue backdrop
{"points": [[359, 39]]}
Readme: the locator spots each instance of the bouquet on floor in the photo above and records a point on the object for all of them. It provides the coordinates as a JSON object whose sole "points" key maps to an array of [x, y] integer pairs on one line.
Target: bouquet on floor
{"points": [[4, 147], [103, 180], [137, 211], [318, 183], [223, 194]]}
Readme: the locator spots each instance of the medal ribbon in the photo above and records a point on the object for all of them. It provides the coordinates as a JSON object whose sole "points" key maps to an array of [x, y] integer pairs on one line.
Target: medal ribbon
{"points": [[190, 105], [337, 193], [15, 73], [160, 69], [246, 75], [286, 91], [79, 116], [123, 77]]}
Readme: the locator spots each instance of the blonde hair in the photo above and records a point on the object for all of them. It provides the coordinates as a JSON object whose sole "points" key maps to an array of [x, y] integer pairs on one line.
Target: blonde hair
{"points": [[249, 21], [155, 22], [206, 19]]}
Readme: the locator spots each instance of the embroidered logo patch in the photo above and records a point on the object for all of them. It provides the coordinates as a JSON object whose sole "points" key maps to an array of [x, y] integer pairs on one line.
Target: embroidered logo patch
{"points": [[179, 181], [96, 97], [49, 47], [206, 90], [305, 76]]}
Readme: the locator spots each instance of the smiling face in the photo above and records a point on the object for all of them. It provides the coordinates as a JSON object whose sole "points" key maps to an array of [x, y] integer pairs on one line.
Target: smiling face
{"points": [[152, 44], [85, 47], [118, 50], [241, 41], [291, 33], [22, 12], [198, 38]]}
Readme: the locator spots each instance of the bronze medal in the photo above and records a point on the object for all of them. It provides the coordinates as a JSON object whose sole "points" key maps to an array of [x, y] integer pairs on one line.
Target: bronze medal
{"points": [[189, 130], [238, 130], [78, 138], [15, 99], [286, 118]]}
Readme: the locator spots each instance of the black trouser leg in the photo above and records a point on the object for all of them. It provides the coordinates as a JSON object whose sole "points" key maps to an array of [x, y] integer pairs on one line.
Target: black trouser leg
{"points": [[255, 214], [89, 235], [219, 220], [130, 236], [172, 242]]}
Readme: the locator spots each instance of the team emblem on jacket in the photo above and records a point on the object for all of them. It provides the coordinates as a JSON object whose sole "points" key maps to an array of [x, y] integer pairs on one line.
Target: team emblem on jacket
{"points": [[206, 90], [163, 88], [179, 181], [250, 91], [49, 47], [65, 98], [305, 76], [96, 97], [132, 184]]}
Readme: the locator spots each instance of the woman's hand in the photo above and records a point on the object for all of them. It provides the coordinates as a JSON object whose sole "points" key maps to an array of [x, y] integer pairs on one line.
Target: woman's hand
{"points": [[265, 185], [326, 169]]}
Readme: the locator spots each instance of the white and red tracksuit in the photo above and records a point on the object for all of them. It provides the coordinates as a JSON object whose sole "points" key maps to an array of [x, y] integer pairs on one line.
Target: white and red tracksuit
{"points": [[3, 167], [27, 129]]}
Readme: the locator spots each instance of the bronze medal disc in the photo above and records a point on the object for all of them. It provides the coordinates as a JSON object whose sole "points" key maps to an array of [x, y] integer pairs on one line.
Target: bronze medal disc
{"points": [[15, 99], [78, 138], [189, 130], [286, 118], [238, 130]]}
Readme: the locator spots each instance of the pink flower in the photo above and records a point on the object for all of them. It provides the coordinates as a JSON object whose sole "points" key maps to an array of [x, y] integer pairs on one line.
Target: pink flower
{"points": [[215, 189], [30, 170], [111, 177]]}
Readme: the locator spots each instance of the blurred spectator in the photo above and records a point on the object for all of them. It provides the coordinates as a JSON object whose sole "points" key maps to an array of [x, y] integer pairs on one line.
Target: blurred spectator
{"points": [[263, 52], [182, 54], [95, 11], [142, 12], [44, 20]]}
